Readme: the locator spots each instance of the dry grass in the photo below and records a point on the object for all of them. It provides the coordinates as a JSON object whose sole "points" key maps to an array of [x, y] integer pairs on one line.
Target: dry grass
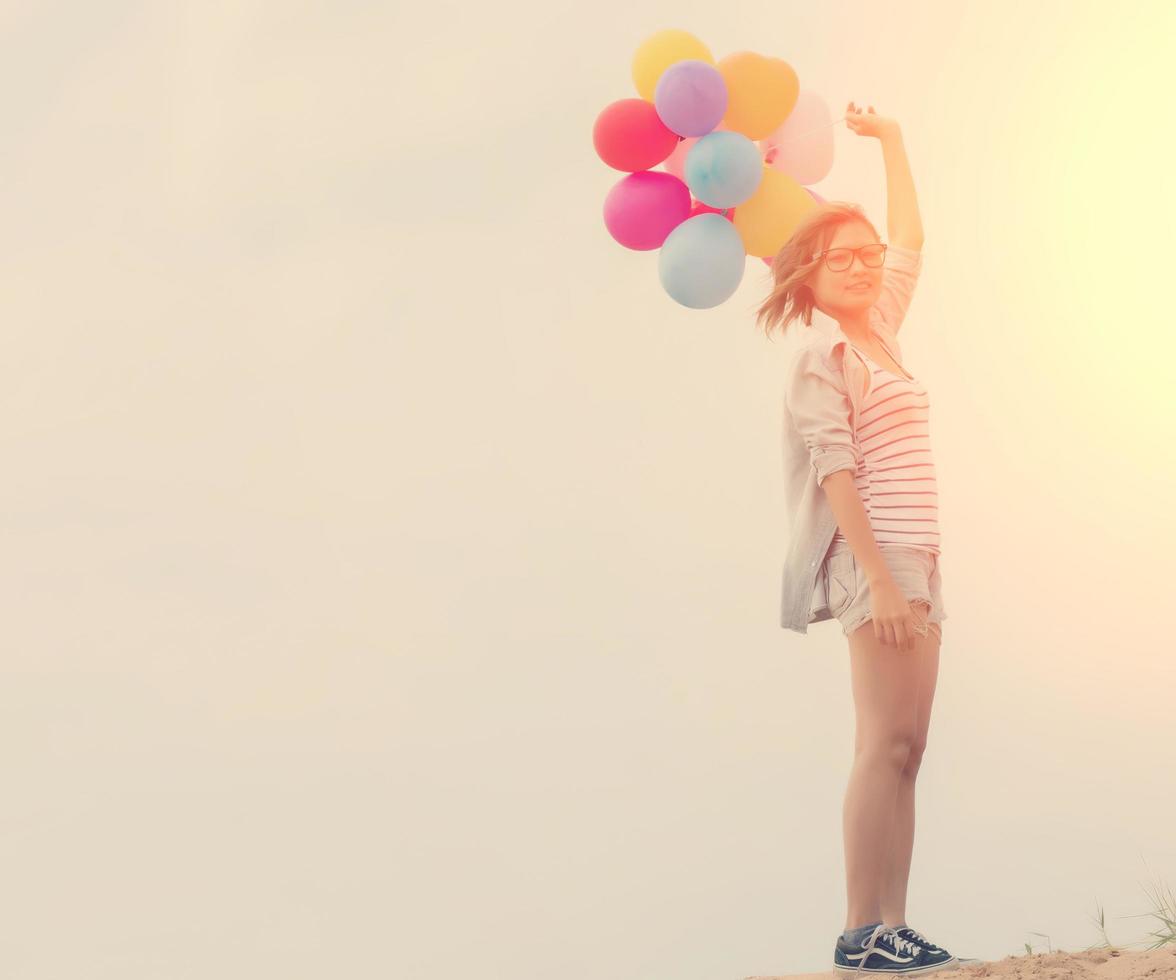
{"points": [[1164, 912]]}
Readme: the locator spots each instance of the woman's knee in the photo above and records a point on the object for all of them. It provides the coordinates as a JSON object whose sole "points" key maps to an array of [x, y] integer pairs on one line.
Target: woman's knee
{"points": [[891, 749], [914, 758]]}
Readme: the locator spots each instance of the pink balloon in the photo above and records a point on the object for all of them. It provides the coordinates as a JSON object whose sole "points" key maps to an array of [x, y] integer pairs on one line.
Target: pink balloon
{"points": [[675, 163], [802, 145], [643, 208]]}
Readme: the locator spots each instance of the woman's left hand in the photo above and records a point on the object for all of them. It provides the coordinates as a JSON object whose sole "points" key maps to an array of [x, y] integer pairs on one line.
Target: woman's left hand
{"points": [[868, 123]]}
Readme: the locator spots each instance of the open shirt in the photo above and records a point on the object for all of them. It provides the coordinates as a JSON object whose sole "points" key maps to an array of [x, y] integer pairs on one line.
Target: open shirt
{"points": [[824, 389]]}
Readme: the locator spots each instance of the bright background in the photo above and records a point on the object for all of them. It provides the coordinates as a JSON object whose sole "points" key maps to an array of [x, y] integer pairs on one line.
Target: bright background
{"points": [[390, 569]]}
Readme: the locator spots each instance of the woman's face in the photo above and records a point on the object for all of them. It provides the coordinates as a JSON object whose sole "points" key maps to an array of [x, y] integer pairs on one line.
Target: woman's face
{"points": [[850, 292]]}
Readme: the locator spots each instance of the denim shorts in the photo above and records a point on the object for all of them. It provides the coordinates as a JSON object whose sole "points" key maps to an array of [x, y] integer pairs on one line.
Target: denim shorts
{"points": [[915, 570]]}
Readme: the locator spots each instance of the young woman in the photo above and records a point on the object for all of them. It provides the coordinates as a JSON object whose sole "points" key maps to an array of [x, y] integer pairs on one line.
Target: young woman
{"points": [[864, 547]]}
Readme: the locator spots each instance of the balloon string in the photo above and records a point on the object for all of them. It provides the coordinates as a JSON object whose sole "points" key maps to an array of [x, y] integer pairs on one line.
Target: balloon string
{"points": [[807, 132]]}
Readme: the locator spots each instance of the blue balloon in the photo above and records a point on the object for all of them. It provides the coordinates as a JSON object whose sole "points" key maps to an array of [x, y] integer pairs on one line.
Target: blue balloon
{"points": [[723, 169], [702, 261]]}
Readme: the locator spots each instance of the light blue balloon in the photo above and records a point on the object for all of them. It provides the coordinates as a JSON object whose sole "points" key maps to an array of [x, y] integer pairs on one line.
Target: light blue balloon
{"points": [[702, 261], [723, 169]]}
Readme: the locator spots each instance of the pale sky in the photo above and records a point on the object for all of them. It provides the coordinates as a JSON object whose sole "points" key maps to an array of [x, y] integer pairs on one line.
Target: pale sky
{"points": [[391, 569]]}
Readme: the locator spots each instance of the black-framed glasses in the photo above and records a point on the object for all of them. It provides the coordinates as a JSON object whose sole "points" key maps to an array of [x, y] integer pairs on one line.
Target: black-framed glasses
{"points": [[840, 259]]}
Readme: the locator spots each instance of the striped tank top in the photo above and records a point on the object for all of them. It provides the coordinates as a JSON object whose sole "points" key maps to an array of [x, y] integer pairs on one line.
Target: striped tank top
{"points": [[896, 478]]}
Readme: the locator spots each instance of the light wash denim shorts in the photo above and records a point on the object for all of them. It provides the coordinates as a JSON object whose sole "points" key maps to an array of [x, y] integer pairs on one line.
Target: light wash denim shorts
{"points": [[915, 570]]}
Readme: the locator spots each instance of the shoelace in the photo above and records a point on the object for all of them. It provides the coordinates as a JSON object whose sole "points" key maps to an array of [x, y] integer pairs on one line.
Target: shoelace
{"points": [[920, 938], [903, 946]]}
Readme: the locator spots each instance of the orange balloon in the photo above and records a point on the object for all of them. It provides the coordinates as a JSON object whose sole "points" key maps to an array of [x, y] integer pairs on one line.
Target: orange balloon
{"points": [[761, 92], [767, 219]]}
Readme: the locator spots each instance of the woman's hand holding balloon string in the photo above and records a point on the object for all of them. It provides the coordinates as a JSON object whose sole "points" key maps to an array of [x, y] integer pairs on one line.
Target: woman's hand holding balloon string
{"points": [[868, 123], [863, 123]]}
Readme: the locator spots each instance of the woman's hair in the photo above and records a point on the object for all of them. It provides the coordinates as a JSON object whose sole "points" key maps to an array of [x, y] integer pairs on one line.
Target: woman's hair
{"points": [[794, 265]]}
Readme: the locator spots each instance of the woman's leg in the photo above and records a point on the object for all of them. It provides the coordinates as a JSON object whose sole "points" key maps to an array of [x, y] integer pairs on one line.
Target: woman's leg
{"points": [[885, 681], [898, 868]]}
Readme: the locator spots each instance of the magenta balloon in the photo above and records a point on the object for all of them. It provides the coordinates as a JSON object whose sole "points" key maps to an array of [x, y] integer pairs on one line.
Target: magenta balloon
{"points": [[643, 208], [691, 97]]}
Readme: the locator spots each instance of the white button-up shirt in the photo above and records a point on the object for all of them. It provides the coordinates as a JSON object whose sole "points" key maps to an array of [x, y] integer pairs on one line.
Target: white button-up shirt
{"points": [[825, 383]]}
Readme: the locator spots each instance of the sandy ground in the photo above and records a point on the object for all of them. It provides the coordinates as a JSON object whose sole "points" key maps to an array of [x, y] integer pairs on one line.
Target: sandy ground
{"points": [[1094, 964]]}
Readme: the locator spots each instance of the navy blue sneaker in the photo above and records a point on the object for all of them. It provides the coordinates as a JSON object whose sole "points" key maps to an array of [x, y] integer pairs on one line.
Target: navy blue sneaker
{"points": [[884, 951], [932, 953]]}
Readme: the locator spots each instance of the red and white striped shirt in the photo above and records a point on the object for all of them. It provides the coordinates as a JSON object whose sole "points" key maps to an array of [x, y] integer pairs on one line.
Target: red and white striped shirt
{"points": [[824, 388], [896, 475]]}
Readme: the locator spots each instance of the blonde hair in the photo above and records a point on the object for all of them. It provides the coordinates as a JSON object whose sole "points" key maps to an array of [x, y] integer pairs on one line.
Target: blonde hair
{"points": [[791, 297]]}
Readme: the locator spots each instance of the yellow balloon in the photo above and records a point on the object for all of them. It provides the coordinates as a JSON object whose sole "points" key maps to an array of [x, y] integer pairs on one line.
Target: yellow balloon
{"points": [[658, 51], [761, 93], [767, 219]]}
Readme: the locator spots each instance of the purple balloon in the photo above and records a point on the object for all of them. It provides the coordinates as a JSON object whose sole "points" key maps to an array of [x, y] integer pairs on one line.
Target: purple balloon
{"points": [[691, 98], [644, 207]]}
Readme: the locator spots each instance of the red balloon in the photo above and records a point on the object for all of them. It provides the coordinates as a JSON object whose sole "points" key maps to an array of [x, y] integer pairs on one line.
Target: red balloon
{"points": [[699, 208], [629, 135]]}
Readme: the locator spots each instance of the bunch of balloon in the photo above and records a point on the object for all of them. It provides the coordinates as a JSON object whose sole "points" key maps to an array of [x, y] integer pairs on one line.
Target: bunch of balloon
{"points": [[720, 195]]}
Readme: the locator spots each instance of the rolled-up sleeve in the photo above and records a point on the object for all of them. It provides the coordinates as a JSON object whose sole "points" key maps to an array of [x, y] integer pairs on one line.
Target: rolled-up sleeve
{"points": [[819, 405], [900, 275]]}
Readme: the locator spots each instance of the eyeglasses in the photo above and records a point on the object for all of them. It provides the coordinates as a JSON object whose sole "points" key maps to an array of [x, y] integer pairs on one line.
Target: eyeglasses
{"points": [[840, 259]]}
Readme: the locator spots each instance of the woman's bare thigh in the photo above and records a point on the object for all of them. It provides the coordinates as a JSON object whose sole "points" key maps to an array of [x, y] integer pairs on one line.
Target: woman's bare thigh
{"points": [[892, 689]]}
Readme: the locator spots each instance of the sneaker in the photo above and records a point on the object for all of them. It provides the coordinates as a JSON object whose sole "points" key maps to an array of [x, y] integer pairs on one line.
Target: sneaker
{"points": [[933, 953], [884, 951]]}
